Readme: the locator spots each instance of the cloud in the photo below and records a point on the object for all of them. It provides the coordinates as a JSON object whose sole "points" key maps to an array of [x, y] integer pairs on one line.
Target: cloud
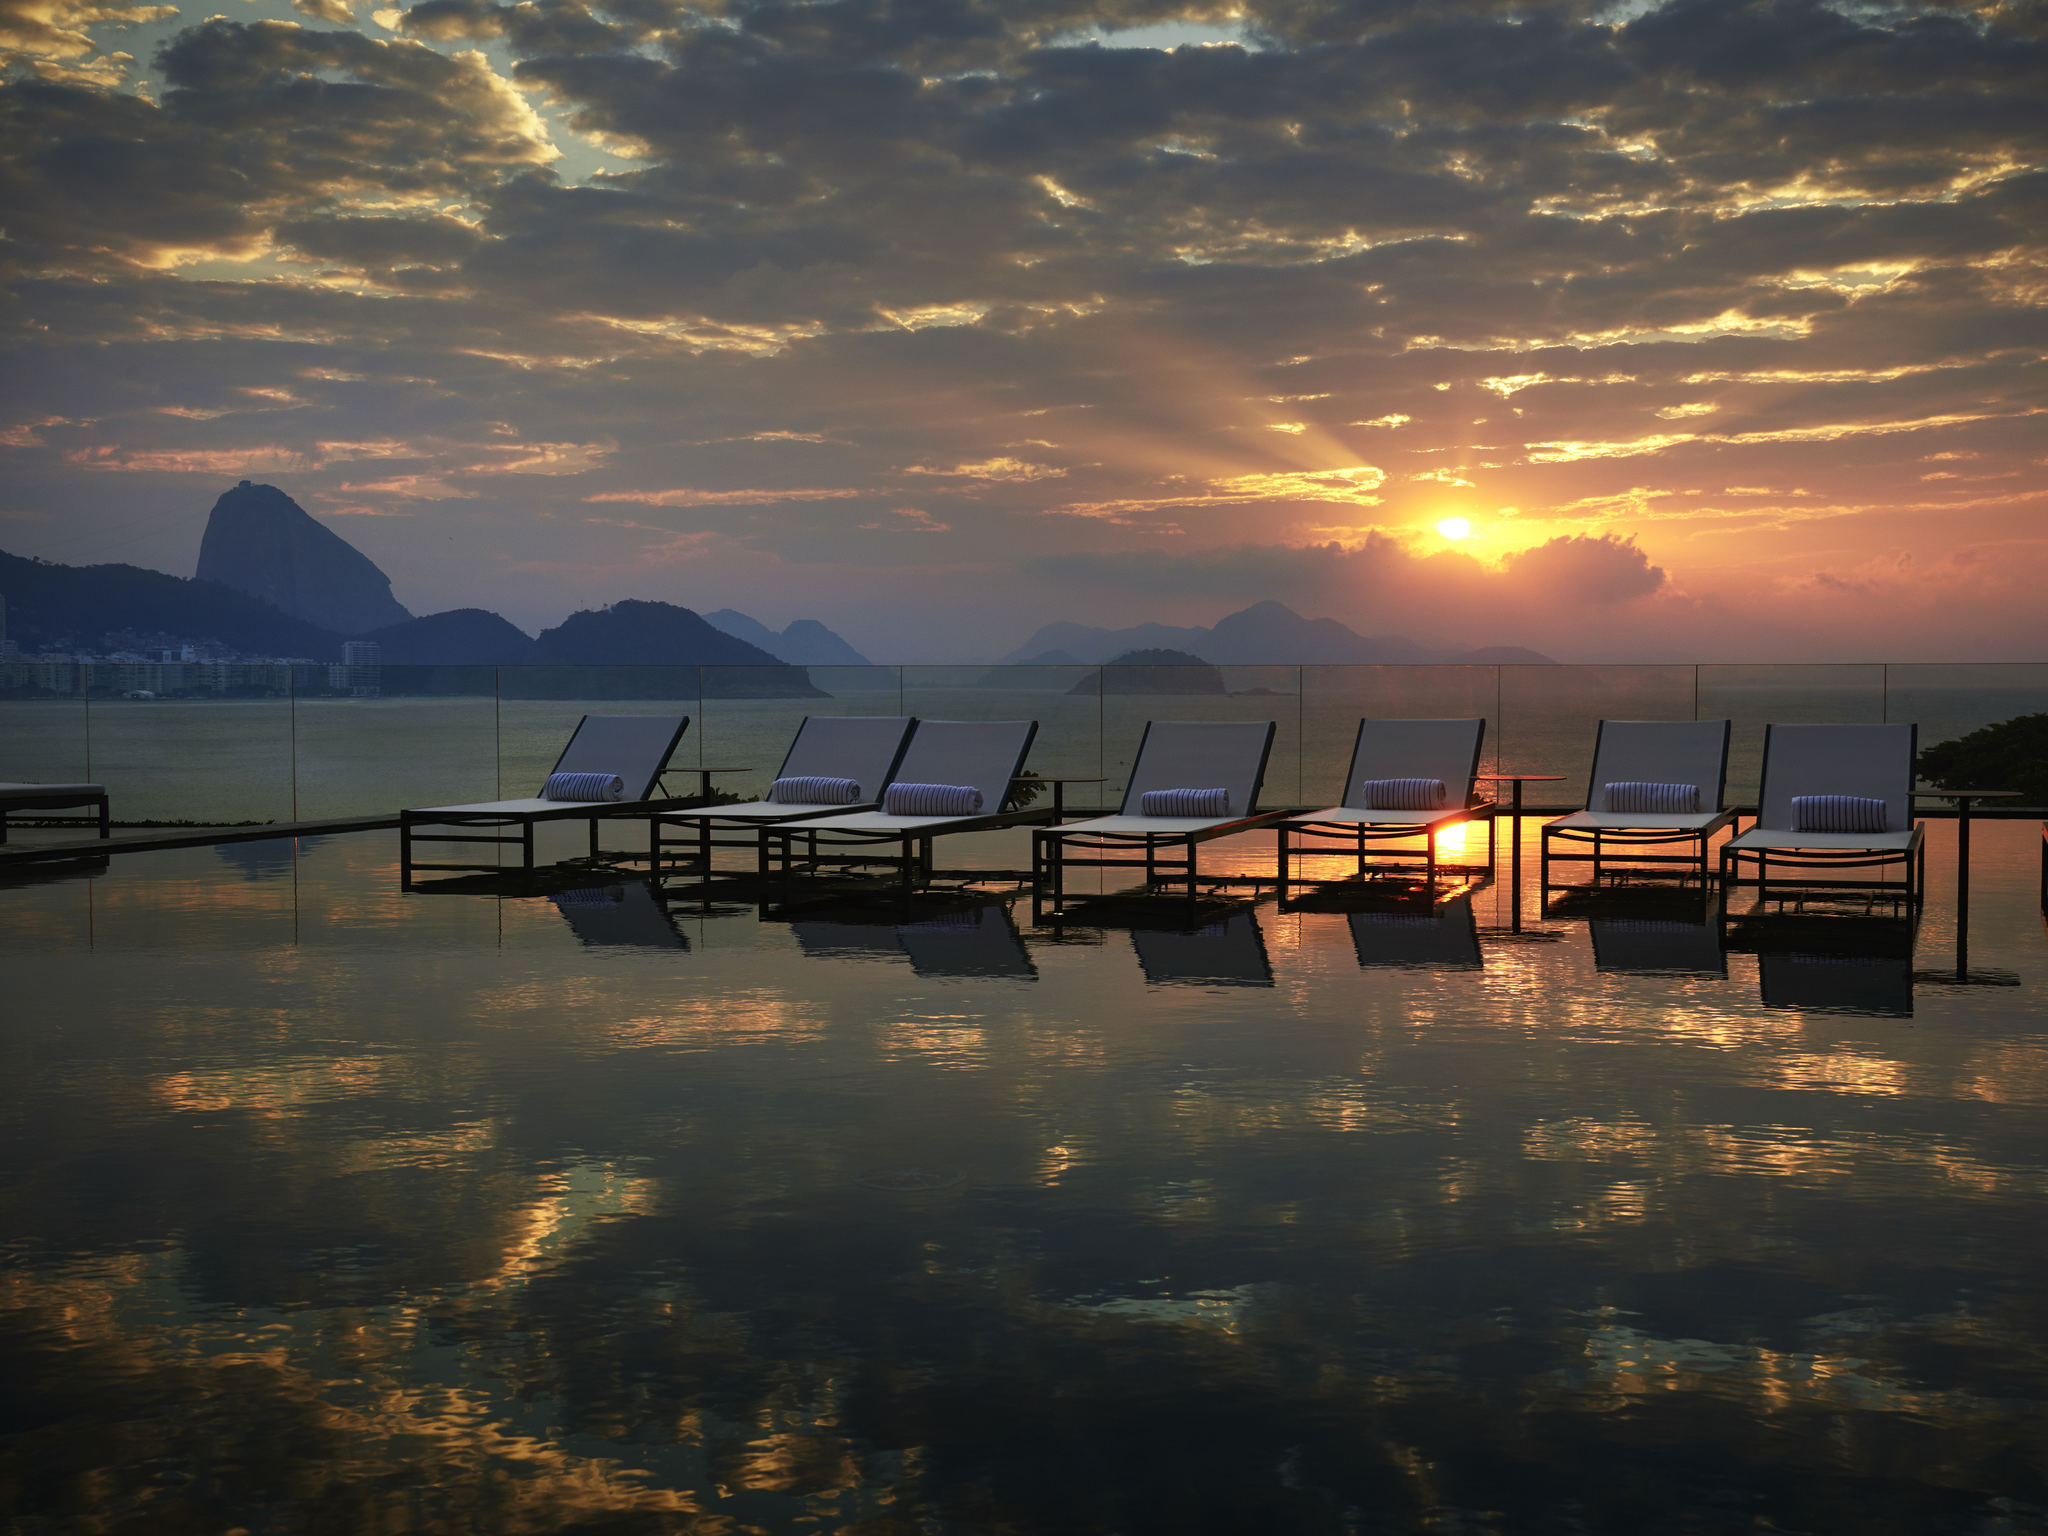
{"points": [[1573, 567], [1366, 268]]}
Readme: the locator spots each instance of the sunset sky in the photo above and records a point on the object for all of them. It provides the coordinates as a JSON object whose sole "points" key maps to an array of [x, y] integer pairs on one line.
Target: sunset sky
{"points": [[1722, 325]]}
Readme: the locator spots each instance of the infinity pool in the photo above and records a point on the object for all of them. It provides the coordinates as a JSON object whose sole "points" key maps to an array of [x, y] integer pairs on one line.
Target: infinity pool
{"points": [[331, 1209]]}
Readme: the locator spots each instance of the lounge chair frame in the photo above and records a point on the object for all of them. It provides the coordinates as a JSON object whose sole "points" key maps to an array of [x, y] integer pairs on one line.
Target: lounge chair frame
{"points": [[1626, 843], [1354, 836], [1141, 850], [56, 797], [708, 822], [1909, 859], [486, 823], [851, 847]]}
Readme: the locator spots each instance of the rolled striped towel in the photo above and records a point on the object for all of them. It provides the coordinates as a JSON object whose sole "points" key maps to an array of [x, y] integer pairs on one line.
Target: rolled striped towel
{"points": [[931, 800], [1184, 802], [1646, 798], [1837, 813], [583, 786], [813, 789], [1404, 794]]}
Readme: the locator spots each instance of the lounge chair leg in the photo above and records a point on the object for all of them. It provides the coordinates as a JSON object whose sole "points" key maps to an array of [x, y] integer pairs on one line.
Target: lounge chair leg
{"points": [[1150, 875], [1192, 863], [704, 849], [1281, 866], [404, 853], [526, 844], [106, 818], [1596, 857], [593, 837]]}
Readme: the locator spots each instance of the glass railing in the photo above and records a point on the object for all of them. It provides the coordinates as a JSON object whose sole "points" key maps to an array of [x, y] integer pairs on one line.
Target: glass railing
{"points": [[261, 743]]}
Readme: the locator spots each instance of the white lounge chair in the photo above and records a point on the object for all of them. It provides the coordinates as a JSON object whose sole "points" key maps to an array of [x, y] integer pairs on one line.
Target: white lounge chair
{"points": [[53, 797], [1412, 753], [1172, 754], [1872, 762], [983, 757], [1646, 760], [632, 748], [862, 748]]}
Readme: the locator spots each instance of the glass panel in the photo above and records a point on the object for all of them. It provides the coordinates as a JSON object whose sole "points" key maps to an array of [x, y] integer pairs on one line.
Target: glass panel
{"points": [[370, 740], [1132, 695], [538, 708], [208, 743], [44, 725], [751, 714], [1334, 699], [1948, 701], [1551, 714], [1760, 695], [1063, 700]]}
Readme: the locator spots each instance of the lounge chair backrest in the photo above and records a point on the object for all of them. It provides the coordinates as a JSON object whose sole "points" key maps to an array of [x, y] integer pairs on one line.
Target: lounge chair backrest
{"points": [[1661, 752], [1416, 749], [863, 748], [1201, 754], [635, 747], [1872, 760], [985, 753]]}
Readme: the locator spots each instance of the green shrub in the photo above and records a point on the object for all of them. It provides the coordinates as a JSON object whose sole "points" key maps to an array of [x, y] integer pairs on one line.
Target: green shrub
{"points": [[2012, 754]]}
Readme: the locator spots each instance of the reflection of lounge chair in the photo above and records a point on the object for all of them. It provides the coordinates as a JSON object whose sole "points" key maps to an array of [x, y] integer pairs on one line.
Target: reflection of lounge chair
{"points": [[976, 940], [1832, 964], [1444, 937], [863, 748], [981, 758], [1637, 765], [622, 916], [633, 748], [53, 797], [1810, 771], [1172, 755], [1230, 952], [1658, 945], [1408, 781]]}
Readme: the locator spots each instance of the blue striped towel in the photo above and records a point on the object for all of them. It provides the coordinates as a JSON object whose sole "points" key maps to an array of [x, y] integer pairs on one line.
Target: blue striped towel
{"points": [[813, 790], [1646, 798], [1184, 802], [583, 786], [1837, 813], [931, 800], [1404, 794]]}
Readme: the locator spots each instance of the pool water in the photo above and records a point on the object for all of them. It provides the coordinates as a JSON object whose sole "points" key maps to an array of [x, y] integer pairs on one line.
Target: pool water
{"points": [[331, 1208]]}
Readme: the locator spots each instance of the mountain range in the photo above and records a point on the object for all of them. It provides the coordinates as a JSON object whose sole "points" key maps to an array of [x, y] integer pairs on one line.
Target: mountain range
{"points": [[1267, 633], [274, 581]]}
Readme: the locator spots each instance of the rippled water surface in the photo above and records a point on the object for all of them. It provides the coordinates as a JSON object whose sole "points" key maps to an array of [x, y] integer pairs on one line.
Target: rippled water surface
{"points": [[329, 1208]]}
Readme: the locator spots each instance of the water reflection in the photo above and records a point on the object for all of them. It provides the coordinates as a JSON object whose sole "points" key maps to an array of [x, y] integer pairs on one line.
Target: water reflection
{"points": [[627, 915], [267, 858], [1226, 951], [1439, 937], [940, 936], [425, 1214], [1831, 963]]}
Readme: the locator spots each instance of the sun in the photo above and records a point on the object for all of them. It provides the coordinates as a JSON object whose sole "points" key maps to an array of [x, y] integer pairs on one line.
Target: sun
{"points": [[1455, 527]]}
